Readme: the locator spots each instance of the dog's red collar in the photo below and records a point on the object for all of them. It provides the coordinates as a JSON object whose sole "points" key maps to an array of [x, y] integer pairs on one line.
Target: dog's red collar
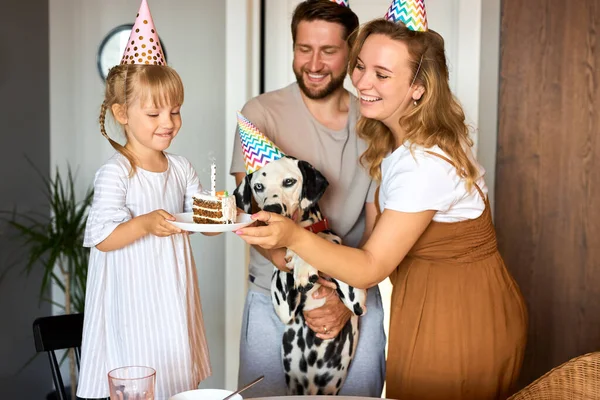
{"points": [[320, 226]]}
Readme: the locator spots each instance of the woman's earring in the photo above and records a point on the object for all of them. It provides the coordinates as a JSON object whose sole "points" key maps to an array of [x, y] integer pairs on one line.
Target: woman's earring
{"points": [[415, 103]]}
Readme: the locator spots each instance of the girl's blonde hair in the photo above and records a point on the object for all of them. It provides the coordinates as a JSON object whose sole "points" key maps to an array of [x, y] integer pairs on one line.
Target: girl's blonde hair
{"points": [[437, 119], [157, 84]]}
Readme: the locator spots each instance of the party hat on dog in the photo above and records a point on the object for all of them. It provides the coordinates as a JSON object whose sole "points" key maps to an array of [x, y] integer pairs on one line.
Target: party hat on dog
{"points": [[258, 149], [345, 3], [143, 46], [410, 12]]}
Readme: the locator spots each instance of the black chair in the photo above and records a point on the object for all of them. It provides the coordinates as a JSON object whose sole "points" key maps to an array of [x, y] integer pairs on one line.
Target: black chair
{"points": [[58, 333]]}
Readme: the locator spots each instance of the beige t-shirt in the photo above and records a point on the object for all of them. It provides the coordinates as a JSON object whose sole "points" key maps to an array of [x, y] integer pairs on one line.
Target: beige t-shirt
{"points": [[284, 118]]}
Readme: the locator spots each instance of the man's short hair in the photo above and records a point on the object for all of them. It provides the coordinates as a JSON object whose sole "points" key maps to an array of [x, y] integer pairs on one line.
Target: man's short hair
{"points": [[325, 10]]}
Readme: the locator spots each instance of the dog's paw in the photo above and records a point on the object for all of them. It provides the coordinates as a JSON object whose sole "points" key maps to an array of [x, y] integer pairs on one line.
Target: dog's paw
{"points": [[291, 259], [305, 276]]}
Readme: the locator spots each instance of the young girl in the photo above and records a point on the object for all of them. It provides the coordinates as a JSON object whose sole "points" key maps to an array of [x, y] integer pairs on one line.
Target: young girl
{"points": [[142, 301], [458, 321]]}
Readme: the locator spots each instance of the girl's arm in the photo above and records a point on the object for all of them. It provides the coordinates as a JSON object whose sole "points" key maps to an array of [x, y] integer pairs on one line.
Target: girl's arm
{"points": [[154, 223], [392, 238]]}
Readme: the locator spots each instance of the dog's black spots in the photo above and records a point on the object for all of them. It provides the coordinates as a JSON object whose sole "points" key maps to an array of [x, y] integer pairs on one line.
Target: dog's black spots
{"points": [[304, 289], [313, 278], [306, 215], [297, 320], [336, 241], [347, 332], [243, 194], [358, 309], [310, 338], [303, 365], [313, 183], [305, 382], [312, 358], [336, 360], [288, 337], [284, 208], [340, 293], [277, 299], [287, 380], [264, 174], [299, 389], [301, 342], [274, 208], [339, 383], [286, 365], [276, 196], [351, 294], [279, 287], [289, 280], [320, 392], [329, 351], [320, 363], [321, 380], [291, 300], [318, 341]]}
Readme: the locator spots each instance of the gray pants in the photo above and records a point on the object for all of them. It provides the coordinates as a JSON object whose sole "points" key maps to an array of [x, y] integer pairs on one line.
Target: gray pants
{"points": [[260, 349]]}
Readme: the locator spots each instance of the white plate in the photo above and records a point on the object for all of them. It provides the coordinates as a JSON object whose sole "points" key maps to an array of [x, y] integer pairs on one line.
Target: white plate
{"points": [[186, 222], [205, 394]]}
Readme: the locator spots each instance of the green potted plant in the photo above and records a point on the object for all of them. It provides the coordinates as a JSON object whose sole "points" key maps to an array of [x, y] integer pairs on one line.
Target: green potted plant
{"points": [[54, 243]]}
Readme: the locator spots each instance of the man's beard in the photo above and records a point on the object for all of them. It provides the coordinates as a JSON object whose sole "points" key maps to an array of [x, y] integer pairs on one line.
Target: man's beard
{"points": [[335, 83]]}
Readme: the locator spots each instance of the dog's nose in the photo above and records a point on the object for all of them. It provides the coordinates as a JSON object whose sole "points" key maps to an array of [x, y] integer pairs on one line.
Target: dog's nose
{"points": [[274, 208]]}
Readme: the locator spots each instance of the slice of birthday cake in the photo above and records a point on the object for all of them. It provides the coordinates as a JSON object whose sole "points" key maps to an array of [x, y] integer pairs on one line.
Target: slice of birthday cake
{"points": [[217, 209]]}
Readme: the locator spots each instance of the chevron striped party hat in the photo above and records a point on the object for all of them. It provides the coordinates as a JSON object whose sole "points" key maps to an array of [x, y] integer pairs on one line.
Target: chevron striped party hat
{"points": [[258, 149], [410, 12], [345, 3]]}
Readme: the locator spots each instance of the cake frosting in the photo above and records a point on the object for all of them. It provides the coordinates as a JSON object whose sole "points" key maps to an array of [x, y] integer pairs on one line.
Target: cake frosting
{"points": [[218, 209]]}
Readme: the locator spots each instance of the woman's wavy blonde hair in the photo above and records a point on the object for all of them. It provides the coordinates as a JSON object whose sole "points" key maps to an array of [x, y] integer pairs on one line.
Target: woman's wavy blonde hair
{"points": [[159, 84], [437, 119]]}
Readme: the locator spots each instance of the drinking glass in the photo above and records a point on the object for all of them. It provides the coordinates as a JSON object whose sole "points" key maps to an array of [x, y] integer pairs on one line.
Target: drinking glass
{"points": [[132, 383]]}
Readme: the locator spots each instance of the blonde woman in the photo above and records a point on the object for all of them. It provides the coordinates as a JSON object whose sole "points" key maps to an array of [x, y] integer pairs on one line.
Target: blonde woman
{"points": [[458, 320]]}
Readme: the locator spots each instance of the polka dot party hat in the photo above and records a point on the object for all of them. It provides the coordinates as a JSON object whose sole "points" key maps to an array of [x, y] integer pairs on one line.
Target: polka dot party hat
{"points": [[257, 148], [143, 46], [409, 12], [345, 3]]}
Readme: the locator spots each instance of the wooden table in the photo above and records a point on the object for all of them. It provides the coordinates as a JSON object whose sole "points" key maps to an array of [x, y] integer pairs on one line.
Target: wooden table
{"points": [[313, 398]]}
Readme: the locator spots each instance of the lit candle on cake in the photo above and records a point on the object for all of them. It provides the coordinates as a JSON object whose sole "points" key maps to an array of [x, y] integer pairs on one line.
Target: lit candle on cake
{"points": [[213, 179]]}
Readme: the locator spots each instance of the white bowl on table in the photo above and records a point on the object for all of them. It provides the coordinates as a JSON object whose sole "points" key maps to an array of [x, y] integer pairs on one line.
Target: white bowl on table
{"points": [[205, 394]]}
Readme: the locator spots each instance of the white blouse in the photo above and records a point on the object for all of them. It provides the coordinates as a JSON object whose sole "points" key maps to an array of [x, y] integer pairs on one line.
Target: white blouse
{"points": [[142, 303], [421, 181]]}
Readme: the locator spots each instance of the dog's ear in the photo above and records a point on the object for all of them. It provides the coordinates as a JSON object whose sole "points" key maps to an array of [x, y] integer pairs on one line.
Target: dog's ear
{"points": [[313, 185], [243, 194]]}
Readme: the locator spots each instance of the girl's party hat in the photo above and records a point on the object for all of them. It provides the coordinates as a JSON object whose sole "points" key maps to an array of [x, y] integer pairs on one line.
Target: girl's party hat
{"points": [[410, 12], [143, 46], [258, 149], [345, 3]]}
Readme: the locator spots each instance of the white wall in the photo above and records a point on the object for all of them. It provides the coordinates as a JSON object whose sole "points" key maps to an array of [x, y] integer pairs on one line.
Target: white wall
{"points": [[193, 33], [242, 66], [489, 81]]}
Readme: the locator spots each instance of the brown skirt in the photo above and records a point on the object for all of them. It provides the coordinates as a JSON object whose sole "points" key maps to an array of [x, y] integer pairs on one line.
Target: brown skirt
{"points": [[458, 321]]}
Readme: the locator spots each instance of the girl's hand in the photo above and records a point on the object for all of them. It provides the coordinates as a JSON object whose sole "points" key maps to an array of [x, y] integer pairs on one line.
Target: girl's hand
{"points": [[279, 231], [155, 223]]}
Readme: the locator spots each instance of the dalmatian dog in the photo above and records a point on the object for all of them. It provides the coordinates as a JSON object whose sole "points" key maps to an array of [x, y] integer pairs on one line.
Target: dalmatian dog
{"points": [[313, 366]]}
